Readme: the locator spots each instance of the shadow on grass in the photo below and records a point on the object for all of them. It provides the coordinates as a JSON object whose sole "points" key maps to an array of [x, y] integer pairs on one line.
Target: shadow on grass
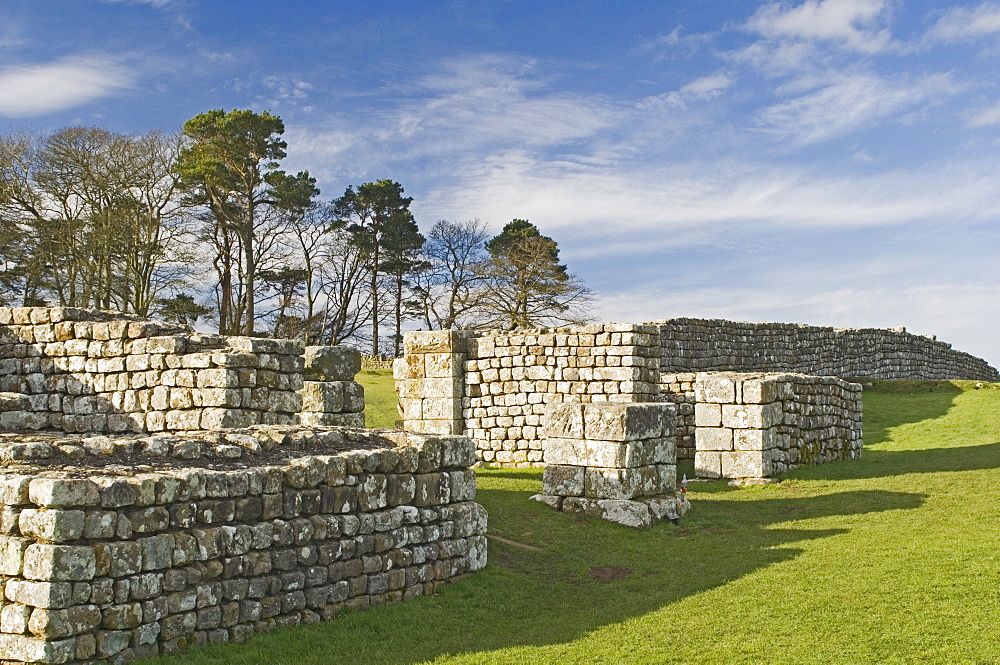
{"points": [[912, 402], [884, 463], [559, 593]]}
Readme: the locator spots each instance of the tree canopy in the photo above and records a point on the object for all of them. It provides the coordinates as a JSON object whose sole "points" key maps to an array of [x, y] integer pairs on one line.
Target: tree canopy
{"points": [[230, 166], [525, 285]]}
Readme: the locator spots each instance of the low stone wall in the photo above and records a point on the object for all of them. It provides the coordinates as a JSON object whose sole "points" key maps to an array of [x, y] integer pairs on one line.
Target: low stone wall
{"points": [[614, 461], [495, 386], [115, 548], [705, 345], [759, 425], [80, 370]]}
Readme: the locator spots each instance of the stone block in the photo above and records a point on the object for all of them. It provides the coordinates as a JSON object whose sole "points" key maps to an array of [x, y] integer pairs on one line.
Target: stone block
{"points": [[332, 419], [54, 624], [752, 416], [707, 464], [441, 409], [605, 483], [354, 397], [54, 526], [563, 480], [53, 595], [715, 389], [14, 490], [323, 396], [433, 341], [63, 492], [36, 650], [564, 421], [623, 421], [745, 464], [628, 513], [59, 562], [756, 439], [713, 438], [332, 363], [450, 388], [12, 554], [707, 414], [609, 453]]}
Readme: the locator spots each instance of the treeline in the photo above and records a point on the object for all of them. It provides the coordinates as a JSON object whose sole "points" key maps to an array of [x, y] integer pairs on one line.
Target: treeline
{"points": [[205, 225]]}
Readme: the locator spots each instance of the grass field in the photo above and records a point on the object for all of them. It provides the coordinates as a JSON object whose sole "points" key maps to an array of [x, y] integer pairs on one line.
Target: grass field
{"points": [[891, 559], [380, 397]]}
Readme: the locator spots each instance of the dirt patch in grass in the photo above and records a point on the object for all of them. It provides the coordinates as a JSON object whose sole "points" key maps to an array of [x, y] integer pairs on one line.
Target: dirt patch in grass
{"points": [[610, 573]]}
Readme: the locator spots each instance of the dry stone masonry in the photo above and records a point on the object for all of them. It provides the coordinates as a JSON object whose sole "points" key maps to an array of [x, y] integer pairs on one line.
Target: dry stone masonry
{"points": [[758, 425], [611, 460], [161, 489], [79, 370], [707, 345], [116, 547], [495, 386]]}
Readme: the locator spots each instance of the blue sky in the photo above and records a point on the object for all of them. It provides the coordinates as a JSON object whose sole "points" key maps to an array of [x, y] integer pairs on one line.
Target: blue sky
{"points": [[832, 162]]}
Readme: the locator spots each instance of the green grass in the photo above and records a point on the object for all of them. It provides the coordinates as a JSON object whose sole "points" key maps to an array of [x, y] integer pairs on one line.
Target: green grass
{"points": [[890, 559], [380, 397]]}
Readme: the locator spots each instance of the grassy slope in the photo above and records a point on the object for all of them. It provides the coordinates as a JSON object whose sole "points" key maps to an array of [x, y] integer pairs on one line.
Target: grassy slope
{"points": [[888, 560]]}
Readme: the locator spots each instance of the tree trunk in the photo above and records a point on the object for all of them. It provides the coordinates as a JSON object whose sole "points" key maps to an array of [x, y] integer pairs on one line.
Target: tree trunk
{"points": [[375, 299], [250, 269]]}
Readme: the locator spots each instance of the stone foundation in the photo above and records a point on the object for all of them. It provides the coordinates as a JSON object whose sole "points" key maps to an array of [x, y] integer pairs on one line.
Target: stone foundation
{"points": [[114, 548]]}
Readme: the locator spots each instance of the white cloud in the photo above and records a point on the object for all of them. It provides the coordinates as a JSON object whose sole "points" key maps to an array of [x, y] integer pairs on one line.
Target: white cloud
{"points": [[846, 102], [960, 23], [495, 98], [853, 24], [159, 4], [987, 116], [701, 89], [29, 90], [643, 206]]}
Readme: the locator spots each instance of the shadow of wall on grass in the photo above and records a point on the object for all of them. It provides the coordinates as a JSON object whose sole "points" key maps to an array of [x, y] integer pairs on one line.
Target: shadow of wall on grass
{"points": [[536, 597], [912, 402]]}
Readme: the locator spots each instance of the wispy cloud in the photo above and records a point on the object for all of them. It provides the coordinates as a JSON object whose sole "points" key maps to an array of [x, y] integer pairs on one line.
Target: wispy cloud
{"points": [[29, 90], [962, 23], [701, 89], [853, 24], [844, 103], [987, 116]]}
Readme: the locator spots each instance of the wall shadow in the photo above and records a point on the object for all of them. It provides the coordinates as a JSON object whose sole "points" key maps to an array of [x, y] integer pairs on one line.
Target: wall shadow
{"points": [[912, 401]]}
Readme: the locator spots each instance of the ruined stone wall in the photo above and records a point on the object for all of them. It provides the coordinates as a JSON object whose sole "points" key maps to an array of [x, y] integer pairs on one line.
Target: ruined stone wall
{"points": [[760, 425], [703, 345], [85, 371], [148, 544], [495, 387]]}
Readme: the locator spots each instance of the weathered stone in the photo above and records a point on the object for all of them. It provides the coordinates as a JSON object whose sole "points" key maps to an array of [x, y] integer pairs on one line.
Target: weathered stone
{"points": [[332, 363], [59, 562], [563, 480], [54, 526], [63, 492], [54, 624]]}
